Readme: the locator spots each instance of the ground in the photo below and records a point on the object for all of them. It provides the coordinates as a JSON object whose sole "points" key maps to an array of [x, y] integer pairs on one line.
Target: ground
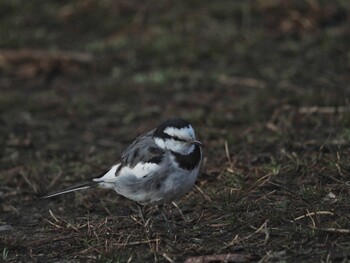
{"points": [[264, 83]]}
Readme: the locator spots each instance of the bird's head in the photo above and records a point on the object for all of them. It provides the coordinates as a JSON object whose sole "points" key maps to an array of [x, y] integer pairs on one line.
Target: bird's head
{"points": [[176, 135]]}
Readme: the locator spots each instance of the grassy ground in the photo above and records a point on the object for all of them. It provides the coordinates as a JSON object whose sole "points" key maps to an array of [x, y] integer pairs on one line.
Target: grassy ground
{"points": [[265, 84]]}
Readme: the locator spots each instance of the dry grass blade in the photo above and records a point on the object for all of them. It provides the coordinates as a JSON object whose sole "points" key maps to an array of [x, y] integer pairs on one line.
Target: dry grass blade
{"points": [[55, 179], [323, 110], [261, 181], [178, 208], [51, 223], [53, 216], [262, 228], [227, 152], [310, 214], [144, 242], [205, 196], [332, 230], [29, 182], [264, 196], [167, 258], [68, 224]]}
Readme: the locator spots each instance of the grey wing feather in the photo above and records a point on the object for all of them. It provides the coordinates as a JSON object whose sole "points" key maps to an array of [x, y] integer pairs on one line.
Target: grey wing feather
{"points": [[143, 149]]}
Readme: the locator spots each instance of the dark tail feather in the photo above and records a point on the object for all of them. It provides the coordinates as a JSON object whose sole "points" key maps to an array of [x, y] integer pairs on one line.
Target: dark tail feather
{"points": [[72, 189]]}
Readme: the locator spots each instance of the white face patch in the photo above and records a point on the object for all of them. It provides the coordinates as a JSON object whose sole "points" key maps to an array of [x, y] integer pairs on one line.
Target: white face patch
{"points": [[160, 142], [175, 146], [186, 133], [182, 146]]}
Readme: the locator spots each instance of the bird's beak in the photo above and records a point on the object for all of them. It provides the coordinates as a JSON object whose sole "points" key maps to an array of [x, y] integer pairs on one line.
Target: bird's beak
{"points": [[195, 142]]}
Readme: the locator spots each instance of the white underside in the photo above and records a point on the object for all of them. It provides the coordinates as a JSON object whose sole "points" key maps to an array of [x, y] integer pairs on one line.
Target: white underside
{"points": [[140, 182]]}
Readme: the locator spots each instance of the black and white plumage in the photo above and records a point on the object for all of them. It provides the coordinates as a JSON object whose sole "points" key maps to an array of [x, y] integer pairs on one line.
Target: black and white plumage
{"points": [[158, 167]]}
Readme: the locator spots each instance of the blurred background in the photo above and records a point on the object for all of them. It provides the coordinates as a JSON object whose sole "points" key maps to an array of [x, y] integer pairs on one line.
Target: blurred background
{"points": [[82, 73], [80, 79]]}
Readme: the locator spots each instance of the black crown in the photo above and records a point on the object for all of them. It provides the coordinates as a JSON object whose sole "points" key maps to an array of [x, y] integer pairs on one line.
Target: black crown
{"points": [[175, 123]]}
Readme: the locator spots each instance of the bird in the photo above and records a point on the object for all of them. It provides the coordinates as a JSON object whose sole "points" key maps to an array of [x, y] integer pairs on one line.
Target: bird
{"points": [[157, 168]]}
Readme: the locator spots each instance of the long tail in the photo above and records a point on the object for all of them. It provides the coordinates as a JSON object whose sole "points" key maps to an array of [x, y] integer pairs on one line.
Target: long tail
{"points": [[73, 189], [105, 181]]}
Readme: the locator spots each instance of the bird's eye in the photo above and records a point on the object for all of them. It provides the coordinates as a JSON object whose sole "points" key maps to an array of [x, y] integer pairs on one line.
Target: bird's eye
{"points": [[177, 139]]}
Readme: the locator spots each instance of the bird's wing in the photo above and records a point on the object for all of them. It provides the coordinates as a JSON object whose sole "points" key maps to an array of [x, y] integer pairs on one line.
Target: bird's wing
{"points": [[142, 150], [142, 157]]}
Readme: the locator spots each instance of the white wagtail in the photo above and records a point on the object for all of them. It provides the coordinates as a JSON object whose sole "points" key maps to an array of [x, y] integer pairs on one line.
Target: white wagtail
{"points": [[159, 167]]}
